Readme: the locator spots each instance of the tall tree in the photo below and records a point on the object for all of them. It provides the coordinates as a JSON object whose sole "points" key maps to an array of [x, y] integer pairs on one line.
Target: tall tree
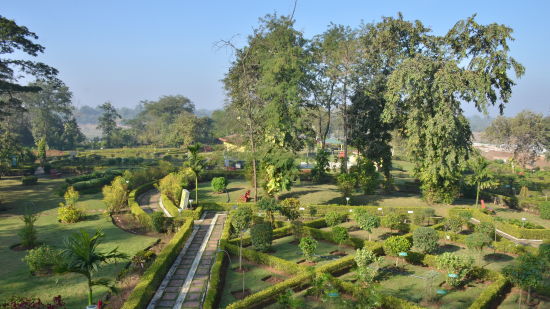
{"points": [[525, 135], [107, 123], [384, 46], [470, 64], [18, 39], [195, 162], [481, 176]]}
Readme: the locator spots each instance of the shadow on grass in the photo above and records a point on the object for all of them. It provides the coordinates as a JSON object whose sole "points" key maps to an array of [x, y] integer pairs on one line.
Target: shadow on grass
{"points": [[497, 257], [297, 194], [448, 248]]}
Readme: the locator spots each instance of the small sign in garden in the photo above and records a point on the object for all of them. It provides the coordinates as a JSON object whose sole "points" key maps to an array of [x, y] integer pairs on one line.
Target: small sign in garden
{"points": [[333, 294], [441, 292], [453, 276], [403, 254]]}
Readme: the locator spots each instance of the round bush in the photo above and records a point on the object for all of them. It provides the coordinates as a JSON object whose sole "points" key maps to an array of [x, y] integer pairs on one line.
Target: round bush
{"points": [[333, 218], [395, 244], [425, 239], [29, 180], [43, 260], [219, 184], [261, 236], [69, 214]]}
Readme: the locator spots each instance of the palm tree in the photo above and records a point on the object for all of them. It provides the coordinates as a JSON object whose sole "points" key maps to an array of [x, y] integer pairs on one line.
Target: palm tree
{"points": [[481, 177], [82, 257], [195, 163]]}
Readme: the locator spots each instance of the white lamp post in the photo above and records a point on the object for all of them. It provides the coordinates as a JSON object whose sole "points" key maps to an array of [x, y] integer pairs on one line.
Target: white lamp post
{"points": [[347, 200]]}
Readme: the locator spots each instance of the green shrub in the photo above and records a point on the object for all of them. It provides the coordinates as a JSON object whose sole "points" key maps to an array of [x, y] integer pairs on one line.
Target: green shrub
{"points": [[485, 228], [425, 239], [158, 222], [544, 209], [394, 221], [477, 241], [115, 196], [29, 180], [28, 231], [43, 260], [367, 177], [308, 245], [346, 183], [454, 224], [261, 236], [333, 218], [319, 172], [366, 221], [297, 229], [395, 244], [290, 208], [459, 265], [69, 214], [219, 184]]}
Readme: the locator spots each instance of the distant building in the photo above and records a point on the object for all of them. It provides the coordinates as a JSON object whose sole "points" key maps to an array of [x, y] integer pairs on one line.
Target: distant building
{"points": [[233, 142]]}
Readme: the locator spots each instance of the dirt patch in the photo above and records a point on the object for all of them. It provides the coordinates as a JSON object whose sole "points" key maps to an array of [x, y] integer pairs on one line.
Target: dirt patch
{"points": [[272, 280], [127, 223], [240, 294], [338, 253], [241, 270], [306, 263]]}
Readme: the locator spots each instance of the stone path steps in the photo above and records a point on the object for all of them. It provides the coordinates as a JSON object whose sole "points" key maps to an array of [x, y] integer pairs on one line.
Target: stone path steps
{"points": [[149, 201], [177, 294]]}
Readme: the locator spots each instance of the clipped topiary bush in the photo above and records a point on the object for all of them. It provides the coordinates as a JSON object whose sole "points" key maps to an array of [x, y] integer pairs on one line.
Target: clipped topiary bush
{"points": [[333, 218], [261, 235], [158, 222], [43, 260], [425, 239], [219, 184]]}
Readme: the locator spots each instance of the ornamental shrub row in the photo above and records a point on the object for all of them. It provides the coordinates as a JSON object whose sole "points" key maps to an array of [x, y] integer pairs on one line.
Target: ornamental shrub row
{"points": [[153, 276], [138, 212]]}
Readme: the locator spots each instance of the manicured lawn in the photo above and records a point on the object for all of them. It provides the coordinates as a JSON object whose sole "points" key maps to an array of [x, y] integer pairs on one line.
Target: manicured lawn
{"points": [[511, 301], [14, 275], [285, 248], [380, 233], [408, 283], [252, 279], [508, 213], [486, 258]]}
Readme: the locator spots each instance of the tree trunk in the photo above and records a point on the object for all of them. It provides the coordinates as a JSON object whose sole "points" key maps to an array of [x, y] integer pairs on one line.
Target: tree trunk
{"points": [[196, 190], [241, 253], [528, 296], [477, 194], [89, 291], [345, 119]]}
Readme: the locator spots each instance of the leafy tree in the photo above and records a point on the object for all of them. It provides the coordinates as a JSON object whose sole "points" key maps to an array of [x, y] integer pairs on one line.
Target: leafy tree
{"points": [[477, 241], [42, 147], [286, 300], [486, 228], [308, 245], [290, 208], [394, 221], [298, 230], [158, 221], [17, 39], [270, 206], [425, 93], [425, 239], [525, 135], [72, 136], [172, 184], [527, 271], [454, 224], [367, 177], [261, 235], [196, 164], [481, 177], [68, 212], [240, 220], [83, 257], [107, 123], [363, 258], [320, 171], [279, 172], [333, 218], [460, 265], [115, 196], [339, 234], [366, 221]]}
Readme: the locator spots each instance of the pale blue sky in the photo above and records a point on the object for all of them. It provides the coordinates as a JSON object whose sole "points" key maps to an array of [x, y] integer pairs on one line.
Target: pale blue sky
{"points": [[127, 51]]}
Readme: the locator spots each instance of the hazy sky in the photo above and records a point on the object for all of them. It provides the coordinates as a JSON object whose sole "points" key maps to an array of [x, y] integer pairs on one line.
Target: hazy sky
{"points": [[127, 51]]}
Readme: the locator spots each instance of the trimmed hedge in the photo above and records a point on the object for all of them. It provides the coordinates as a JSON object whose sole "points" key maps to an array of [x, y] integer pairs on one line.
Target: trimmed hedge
{"points": [[511, 229], [266, 259], [135, 209], [493, 294], [153, 276], [357, 243], [214, 284], [169, 206]]}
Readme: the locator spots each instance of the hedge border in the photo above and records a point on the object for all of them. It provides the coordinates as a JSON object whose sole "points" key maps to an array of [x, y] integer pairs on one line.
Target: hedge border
{"points": [[135, 209], [153, 276]]}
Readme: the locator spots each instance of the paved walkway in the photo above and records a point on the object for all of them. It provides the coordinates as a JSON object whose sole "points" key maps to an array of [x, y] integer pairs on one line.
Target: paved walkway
{"points": [[149, 201], [521, 241], [187, 280]]}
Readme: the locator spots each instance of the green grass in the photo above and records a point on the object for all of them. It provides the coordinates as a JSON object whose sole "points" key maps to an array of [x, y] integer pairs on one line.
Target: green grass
{"points": [[14, 275], [252, 279], [285, 249], [511, 301]]}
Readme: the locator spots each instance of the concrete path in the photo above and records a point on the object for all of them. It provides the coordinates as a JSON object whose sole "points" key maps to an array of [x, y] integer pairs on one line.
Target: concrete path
{"points": [[186, 282], [149, 201]]}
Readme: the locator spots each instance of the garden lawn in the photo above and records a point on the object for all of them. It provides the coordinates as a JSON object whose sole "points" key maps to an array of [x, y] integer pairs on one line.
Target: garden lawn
{"points": [[380, 233], [512, 298], [486, 258], [285, 249], [321, 194], [407, 284], [15, 278], [252, 279]]}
